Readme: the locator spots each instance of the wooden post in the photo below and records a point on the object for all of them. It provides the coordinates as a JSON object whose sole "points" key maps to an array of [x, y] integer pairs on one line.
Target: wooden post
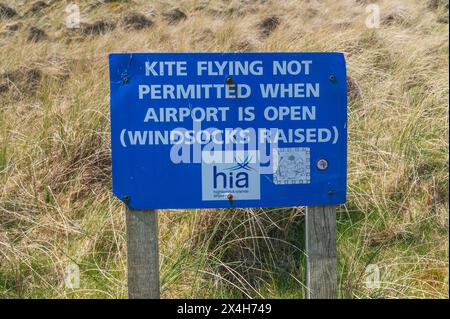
{"points": [[320, 232], [142, 254]]}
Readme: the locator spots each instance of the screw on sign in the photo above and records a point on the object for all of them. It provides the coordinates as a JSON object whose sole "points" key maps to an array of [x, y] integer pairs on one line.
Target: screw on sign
{"points": [[322, 164], [266, 150]]}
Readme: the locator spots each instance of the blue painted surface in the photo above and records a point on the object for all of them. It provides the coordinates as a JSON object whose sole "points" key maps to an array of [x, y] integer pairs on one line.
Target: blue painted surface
{"points": [[144, 176]]}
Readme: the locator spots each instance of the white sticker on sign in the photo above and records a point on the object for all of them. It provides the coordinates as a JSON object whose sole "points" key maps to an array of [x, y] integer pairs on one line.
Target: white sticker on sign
{"points": [[235, 174], [291, 165]]}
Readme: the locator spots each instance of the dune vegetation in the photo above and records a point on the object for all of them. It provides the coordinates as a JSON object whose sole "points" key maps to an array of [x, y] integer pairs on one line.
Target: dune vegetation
{"points": [[56, 204]]}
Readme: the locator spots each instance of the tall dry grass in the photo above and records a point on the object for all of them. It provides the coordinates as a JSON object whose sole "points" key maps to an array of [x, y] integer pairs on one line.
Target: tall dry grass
{"points": [[56, 207]]}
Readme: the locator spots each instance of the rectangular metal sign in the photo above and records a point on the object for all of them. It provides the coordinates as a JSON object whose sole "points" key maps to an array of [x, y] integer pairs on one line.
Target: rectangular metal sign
{"points": [[213, 130]]}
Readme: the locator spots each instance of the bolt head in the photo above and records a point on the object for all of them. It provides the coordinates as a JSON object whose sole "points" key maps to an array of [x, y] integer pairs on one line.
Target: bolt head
{"points": [[322, 164], [230, 196], [229, 80]]}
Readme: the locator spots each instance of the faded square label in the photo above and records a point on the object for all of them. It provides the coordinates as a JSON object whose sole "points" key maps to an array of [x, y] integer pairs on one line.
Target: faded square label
{"points": [[291, 165]]}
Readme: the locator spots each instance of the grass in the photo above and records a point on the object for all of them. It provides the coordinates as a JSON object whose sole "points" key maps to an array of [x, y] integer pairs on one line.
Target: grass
{"points": [[56, 205]]}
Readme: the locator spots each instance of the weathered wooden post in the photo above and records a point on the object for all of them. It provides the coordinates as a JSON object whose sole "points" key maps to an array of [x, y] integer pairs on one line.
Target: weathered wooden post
{"points": [[321, 276], [142, 254]]}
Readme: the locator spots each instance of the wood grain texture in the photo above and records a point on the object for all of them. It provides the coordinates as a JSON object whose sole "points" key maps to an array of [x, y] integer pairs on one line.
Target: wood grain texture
{"points": [[321, 276], [142, 254]]}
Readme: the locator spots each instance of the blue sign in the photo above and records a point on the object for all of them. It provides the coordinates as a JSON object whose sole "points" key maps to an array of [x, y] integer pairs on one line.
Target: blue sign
{"points": [[217, 130]]}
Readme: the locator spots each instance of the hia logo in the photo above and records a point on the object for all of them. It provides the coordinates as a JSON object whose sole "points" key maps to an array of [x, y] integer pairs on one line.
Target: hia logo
{"points": [[239, 176]]}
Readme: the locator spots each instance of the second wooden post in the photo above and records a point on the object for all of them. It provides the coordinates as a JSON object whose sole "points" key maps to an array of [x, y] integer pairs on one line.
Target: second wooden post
{"points": [[321, 274]]}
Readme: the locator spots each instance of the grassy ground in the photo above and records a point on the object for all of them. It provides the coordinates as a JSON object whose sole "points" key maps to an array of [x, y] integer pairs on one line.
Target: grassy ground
{"points": [[56, 207]]}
